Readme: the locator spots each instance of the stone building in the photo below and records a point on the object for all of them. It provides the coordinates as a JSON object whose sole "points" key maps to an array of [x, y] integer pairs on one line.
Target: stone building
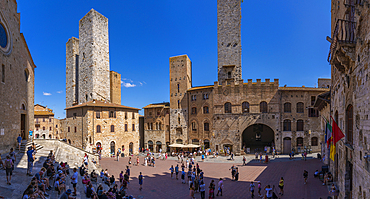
{"points": [[16, 78], [350, 74], [46, 126], [243, 116], [157, 126], [94, 114]]}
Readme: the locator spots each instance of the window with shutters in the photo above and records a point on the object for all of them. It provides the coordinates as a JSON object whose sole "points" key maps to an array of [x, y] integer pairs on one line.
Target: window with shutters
{"points": [[300, 107], [300, 125], [287, 107], [287, 125], [263, 107], [227, 107]]}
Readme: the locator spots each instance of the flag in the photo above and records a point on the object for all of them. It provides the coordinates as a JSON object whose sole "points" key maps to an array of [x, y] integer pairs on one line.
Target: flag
{"points": [[332, 152], [337, 133], [328, 133]]}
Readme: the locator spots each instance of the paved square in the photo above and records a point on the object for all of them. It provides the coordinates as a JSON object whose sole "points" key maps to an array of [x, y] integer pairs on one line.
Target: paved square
{"points": [[158, 183]]}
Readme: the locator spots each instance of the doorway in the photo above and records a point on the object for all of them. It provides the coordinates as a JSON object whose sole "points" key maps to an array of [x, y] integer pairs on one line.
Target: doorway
{"points": [[206, 144], [131, 148], [287, 145], [159, 146], [112, 147], [256, 137], [23, 126], [228, 147]]}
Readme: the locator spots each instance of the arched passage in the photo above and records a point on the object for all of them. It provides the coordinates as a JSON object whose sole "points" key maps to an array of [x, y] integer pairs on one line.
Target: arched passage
{"points": [[257, 136]]}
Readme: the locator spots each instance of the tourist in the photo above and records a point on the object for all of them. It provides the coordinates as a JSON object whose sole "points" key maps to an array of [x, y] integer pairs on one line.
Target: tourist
{"points": [[261, 157], [212, 189], [305, 176], [102, 173], [141, 181], [1, 162], [196, 184], [171, 169], [74, 181], [232, 172], [268, 192], [281, 186], [153, 161], [244, 159], [121, 178], [66, 194], [145, 161], [137, 161], [305, 155], [30, 135], [118, 153], [220, 186], [8, 168], [177, 171], [19, 140], [327, 178], [85, 179], [252, 189], [191, 188], [85, 161], [232, 156], [202, 188], [58, 186], [236, 174], [129, 161], [183, 176], [12, 156], [259, 186]]}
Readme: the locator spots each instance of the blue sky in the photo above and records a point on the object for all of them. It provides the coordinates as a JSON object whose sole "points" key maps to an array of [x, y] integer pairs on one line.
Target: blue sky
{"points": [[280, 39]]}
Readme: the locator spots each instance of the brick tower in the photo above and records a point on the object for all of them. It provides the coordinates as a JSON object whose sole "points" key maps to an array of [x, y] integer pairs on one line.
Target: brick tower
{"points": [[93, 68], [72, 57], [229, 41], [180, 82]]}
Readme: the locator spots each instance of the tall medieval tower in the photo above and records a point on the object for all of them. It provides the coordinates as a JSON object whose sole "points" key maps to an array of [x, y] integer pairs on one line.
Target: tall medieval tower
{"points": [[229, 41], [87, 62], [180, 82]]}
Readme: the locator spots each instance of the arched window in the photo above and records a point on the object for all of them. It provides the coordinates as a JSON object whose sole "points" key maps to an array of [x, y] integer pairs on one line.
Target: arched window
{"points": [[205, 110], [287, 107], [299, 141], [263, 107], [43, 128], [206, 126], [300, 107], [111, 128], [26, 74], [98, 129], [349, 124], [179, 141], [227, 107], [23, 107], [193, 126], [287, 126], [300, 125], [112, 147], [314, 141], [194, 110], [245, 107]]}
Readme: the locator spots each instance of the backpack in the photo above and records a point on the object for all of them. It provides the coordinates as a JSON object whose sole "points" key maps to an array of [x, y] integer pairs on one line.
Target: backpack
{"points": [[8, 163]]}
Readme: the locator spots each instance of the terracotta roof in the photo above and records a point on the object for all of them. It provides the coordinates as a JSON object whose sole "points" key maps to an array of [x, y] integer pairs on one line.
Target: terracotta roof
{"points": [[158, 105], [200, 87], [96, 103], [43, 113], [303, 89]]}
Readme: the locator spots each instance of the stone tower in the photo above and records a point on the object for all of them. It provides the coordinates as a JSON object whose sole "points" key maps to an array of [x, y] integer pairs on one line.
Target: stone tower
{"points": [[93, 69], [180, 82], [229, 41], [115, 87], [72, 52]]}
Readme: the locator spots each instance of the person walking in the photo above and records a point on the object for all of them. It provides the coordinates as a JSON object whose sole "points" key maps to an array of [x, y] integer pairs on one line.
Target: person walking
{"points": [[305, 176], [74, 180], [30, 159], [191, 188], [268, 190], [202, 187], [19, 140], [220, 186], [252, 189], [12, 156], [281, 186], [259, 186], [244, 159], [137, 161], [177, 171], [171, 169], [8, 168], [118, 153], [212, 189], [183, 176], [141, 181], [236, 174], [30, 135]]}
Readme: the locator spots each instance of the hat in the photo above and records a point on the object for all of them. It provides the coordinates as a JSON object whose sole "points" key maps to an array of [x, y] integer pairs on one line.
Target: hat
{"points": [[69, 191]]}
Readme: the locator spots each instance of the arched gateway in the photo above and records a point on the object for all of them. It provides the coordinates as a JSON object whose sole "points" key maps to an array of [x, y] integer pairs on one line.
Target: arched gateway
{"points": [[256, 137]]}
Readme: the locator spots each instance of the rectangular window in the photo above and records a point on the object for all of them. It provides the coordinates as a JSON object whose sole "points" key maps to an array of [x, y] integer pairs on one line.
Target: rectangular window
{"points": [[313, 99], [133, 127], [126, 115], [97, 113], [3, 73], [133, 115], [49, 128], [69, 129], [313, 112], [75, 129], [74, 115], [205, 96], [43, 119], [125, 127], [193, 98], [50, 120], [178, 103], [206, 126], [56, 126], [112, 114], [178, 88]]}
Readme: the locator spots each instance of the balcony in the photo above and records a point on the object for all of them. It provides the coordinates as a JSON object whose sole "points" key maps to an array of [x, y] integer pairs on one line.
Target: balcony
{"points": [[342, 48]]}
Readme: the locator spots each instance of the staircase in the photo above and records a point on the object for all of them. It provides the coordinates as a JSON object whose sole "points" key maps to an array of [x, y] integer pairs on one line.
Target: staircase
{"points": [[25, 144]]}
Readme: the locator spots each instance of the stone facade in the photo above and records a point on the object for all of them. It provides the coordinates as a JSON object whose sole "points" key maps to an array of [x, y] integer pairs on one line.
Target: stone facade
{"points": [[229, 40], [180, 82], [349, 59], [72, 57], [46, 126], [16, 79], [157, 126], [115, 87], [101, 123]]}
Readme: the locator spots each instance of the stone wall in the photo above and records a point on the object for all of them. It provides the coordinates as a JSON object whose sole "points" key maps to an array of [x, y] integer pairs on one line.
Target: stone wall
{"points": [[16, 80], [115, 87], [229, 40], [65, 152], [94, 58], [72, 58], [156, 126]]}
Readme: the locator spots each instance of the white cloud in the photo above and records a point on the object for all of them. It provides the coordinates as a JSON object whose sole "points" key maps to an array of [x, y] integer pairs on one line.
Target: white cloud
{"points": [[128, 85], [59, 91], [47, 94], [126, 79], [140, 83]]}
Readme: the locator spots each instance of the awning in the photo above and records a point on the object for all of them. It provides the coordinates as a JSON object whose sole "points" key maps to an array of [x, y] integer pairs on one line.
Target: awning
{"points": [[191, 146], [177, 145]]}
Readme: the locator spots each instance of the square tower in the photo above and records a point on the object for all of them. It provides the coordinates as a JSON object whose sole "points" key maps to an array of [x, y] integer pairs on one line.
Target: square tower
{"points": [[72, 56], [229, 41], [94, 58], [180, 82], [115, 87]]}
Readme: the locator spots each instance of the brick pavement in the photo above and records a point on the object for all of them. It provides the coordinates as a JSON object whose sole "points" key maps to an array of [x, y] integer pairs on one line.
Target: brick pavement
{"points": [[158, 184]]}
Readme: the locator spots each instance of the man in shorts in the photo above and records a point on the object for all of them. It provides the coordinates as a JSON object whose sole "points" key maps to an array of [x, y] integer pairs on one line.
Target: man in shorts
{"points": [[8, 168], [74, 180]]}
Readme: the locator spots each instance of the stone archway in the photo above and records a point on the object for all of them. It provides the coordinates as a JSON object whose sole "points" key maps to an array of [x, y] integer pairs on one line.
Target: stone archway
{"points": [[256, 137]]}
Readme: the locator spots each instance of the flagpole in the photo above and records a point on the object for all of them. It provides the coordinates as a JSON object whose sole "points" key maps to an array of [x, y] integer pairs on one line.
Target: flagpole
{"points": [[328, 158]]}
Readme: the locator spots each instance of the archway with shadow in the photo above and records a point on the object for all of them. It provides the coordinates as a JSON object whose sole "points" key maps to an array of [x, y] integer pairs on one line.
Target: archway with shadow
{"points": [[256, 137]]}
